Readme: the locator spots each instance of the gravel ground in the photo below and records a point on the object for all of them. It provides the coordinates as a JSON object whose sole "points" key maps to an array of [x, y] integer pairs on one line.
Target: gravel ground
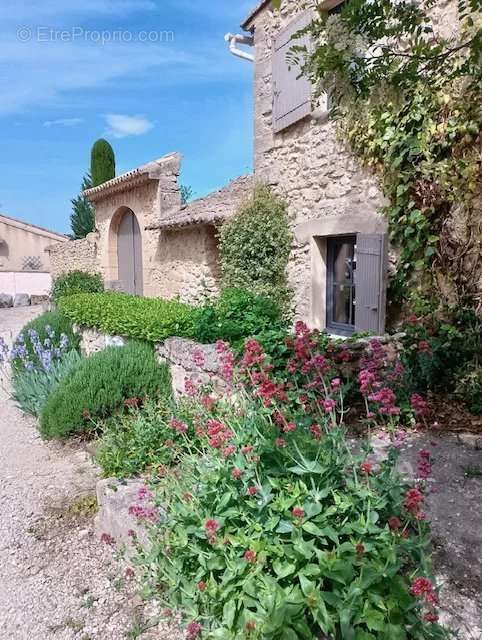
{"points": [[57, 582]]}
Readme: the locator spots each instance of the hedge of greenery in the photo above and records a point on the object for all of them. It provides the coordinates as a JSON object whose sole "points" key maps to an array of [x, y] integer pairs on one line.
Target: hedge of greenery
{"points": [[234, 316], [151, 319], [100, 385], [75, 282]]}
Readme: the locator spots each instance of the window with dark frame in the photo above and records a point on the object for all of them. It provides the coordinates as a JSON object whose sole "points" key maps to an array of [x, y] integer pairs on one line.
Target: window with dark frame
{"points": [[341, 297]]}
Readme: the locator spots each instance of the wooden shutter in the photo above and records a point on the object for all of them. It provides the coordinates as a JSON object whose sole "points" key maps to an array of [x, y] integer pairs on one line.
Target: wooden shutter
{"points": [[291, 93], [371, 282]]}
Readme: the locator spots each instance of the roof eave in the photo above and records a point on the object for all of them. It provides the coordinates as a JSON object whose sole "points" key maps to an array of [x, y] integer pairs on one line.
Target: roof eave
{"points": [[247, 24]]}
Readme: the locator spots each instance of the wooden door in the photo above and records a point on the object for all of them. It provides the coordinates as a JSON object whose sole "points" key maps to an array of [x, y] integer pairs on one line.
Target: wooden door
{"points": [[129, 255]]}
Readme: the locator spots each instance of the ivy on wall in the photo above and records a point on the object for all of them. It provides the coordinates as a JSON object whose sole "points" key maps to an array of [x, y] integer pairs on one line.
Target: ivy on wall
{"points": [[255, 246], [410, 103]]}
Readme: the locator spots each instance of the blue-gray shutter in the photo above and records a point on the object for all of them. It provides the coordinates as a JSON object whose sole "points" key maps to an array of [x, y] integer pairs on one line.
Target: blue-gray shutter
{"points": [[371, 282], [291, 93]]}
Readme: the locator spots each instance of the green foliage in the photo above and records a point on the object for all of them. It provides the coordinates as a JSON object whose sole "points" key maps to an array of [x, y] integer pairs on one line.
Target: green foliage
{"points": [[186, 193], [99, 386], [150, 319], [255, 245], [411, 110], [234, 316], [82, 219], [75, 282], [135, 442], [31, 388], [50, 326], [445, 356], [102, 167], [309, 554]]}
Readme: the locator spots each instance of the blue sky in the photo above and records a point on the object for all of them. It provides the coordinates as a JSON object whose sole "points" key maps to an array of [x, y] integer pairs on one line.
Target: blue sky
{"points": [[62, 91]]}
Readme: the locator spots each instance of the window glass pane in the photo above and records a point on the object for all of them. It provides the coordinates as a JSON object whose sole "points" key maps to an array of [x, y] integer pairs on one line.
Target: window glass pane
{"points": [[343, 263], [342, 304]]}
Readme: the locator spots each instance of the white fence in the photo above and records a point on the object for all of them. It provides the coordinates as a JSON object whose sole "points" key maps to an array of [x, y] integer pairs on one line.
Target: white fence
{"points": [[32, 282]]}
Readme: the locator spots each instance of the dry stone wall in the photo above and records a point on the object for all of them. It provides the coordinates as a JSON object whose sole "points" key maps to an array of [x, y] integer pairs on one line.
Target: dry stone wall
{"points": [[74, 255]]}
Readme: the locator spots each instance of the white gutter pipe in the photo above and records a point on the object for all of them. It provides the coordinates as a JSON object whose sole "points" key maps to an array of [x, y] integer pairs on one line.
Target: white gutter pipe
{"points": [[234, 40]]}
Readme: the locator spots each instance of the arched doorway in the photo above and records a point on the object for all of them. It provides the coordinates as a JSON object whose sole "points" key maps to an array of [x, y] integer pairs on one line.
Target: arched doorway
{"points": [[129, 254]]}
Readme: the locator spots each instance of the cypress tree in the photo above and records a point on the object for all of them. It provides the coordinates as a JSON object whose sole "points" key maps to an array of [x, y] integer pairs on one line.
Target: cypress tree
{"points": [[102, 166], [82, 218]]}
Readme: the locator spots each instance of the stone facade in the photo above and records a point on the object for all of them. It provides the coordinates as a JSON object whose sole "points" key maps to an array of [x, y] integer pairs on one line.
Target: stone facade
{"points": [[75, 255], [309, 166]]}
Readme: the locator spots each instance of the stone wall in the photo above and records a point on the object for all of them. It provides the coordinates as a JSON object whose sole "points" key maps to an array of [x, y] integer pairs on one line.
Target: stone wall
{"points": [[187, 264], [81, 255]]}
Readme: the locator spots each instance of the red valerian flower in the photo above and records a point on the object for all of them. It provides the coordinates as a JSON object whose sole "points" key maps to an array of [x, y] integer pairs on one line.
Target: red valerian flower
{"points": [[298, 512], [316, 432], [329, 405], [424, 468], [252, 491], [236, 473], [250, 626], [420, 406], [360, 550], [201, 585], [129, 573], [178, 426], [198, 358], [211, 527], [424, 347], [288, 428], [279, 442], [413, 320], [413, 501], [394, 523], [250, 556], [430, 617], [229, 451], [424, 589], [193, 630], [248, 448], [106, 538], [366, 467], [335, 384], [132, 402]]}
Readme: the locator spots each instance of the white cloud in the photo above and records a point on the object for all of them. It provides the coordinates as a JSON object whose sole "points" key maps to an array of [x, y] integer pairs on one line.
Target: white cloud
{"points": [[63, 122], [121, 126]]}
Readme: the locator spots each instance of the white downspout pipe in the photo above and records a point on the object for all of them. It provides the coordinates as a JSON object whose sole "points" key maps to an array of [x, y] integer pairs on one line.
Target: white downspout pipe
{"points": [[234, 40]]}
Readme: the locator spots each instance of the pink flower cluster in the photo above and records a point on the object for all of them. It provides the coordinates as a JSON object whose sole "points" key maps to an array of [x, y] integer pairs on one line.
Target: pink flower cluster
{"points": [[178, 425], [211, 527], [148, 514], [413, 503], [424, 589], [219, 435], [226, 360], [193, 630], [420, 406], [424, 466]]}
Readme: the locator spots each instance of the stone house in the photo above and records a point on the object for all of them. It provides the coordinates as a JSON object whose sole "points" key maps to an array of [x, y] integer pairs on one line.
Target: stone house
{"points": [[24, 257], [148, 244]]}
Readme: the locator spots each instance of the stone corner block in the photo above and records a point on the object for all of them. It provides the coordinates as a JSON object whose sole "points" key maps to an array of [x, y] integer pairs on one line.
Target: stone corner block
{"points": [[21, 300]]}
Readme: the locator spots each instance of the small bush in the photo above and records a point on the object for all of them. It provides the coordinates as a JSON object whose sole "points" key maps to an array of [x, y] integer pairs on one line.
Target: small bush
{"points": [[255, 246], [77, 282], [31, 389], [236, 315], [150, 319], [42, 340], [136, 441], [100, 385]]}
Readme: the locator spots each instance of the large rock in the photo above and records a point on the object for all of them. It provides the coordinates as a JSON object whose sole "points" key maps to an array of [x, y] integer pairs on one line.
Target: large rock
{"points": [[34, 300], [6, 300], [21, 300], [114, 497]]}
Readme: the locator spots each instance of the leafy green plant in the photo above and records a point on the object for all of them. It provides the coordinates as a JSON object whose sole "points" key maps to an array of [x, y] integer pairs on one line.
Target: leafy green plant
{"points": [[234, 316], [75, 282], [32, 388], [255, 245], [133, 442], [82, 218], [99, 386], [150, 319], [47, 333], [102, 165]]}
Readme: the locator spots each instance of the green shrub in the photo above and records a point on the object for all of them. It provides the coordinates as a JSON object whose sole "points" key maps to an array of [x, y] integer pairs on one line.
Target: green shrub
{"points": [[75, 282], [102, 163], [133, 442], [255, 246], [47, 335], [100, 385], [31, 389], [234, 316], [150, 319]]}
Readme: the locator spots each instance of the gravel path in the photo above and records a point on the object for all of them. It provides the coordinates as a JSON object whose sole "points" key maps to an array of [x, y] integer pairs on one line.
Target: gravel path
{"points": [[57, 582]]}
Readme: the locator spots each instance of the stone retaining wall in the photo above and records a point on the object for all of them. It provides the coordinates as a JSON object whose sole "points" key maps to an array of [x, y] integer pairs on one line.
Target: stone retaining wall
{"points": [[75, 255]]}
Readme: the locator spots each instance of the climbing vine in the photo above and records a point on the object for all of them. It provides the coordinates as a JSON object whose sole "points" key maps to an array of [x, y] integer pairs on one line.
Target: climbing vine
{"points": [[409, 102]]}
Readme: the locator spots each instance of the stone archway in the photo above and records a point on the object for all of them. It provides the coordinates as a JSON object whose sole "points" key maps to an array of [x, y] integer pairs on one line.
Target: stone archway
{"points": [[129, 253]]}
